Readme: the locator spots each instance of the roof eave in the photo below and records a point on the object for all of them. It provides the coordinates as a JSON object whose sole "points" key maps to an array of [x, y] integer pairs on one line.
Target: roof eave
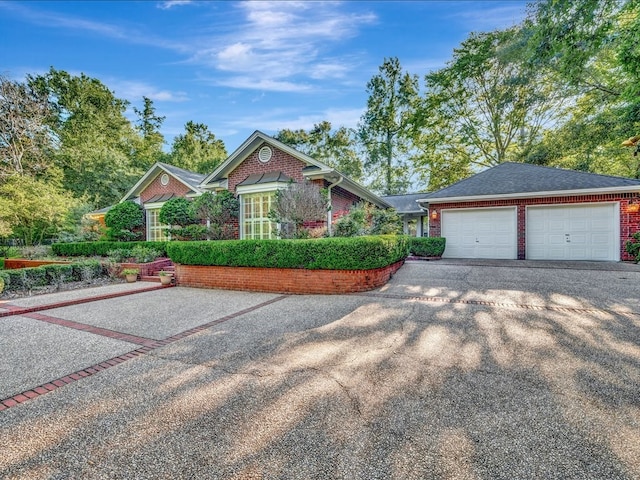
{"points": [[550, 193], [148, 177]]}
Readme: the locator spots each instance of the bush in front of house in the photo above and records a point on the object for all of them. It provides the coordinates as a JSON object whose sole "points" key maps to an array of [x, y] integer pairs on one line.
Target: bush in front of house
{"points": [[427, 246], [26, 279], [633, 246], [366, 219], [357, 253], [124, 221], [102, 249]]}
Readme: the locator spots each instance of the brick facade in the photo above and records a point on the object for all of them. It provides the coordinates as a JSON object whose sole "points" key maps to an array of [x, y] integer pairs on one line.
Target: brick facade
{"points": [[156, 188], [285, 280], [629, 222]]}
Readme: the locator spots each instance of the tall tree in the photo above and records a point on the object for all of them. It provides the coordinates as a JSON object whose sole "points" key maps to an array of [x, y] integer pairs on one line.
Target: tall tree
{"points": [[484, 108], [95, 138], [197, 149], [25, 139], [335, 148], [148, 149], [385, 127]]}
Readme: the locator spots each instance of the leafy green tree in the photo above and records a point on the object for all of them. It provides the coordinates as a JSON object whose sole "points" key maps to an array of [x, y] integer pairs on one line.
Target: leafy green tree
{"points": [[485, 107], [220, 212], [95, 139], [385, 128], [197, 149], [334, 148], [25, 139], [148, 147], [124, 221], [32, 208]]}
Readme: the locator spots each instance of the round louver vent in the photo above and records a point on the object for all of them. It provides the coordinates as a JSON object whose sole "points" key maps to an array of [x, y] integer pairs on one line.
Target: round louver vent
{"points": [[164, 179], [265, 154]]}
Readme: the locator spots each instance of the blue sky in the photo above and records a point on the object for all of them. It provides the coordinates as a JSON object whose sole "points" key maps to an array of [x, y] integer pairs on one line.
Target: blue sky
{"points": [[241, 66]]}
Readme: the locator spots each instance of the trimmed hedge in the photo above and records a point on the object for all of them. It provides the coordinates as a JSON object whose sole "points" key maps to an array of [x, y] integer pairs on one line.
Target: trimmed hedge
{"points": [[54, 274], [427, 246], [88, 249], [357, 253]]}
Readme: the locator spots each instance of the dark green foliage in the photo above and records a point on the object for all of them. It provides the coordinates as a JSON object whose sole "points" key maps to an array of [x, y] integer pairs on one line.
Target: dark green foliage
{"points": [[190, 232], [633, 246], [385, 222], [365, 219], [102, 249], [219, 211], [123, 220], [427, 246], [358, 253], [177, 211]]}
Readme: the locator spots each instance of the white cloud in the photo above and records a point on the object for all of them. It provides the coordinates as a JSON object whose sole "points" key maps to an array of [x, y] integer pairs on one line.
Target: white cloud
{"points": [[283, 46], [134, 91], [486, 16], [173, 3]]}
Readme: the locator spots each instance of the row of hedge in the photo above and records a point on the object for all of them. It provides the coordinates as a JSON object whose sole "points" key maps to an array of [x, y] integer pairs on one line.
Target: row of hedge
{"points": [[354, 253], [102, 249], [427, 246], [54, 274]]}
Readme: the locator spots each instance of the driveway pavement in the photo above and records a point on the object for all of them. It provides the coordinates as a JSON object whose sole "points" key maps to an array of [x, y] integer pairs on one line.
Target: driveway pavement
{"points": [[452, 370]]}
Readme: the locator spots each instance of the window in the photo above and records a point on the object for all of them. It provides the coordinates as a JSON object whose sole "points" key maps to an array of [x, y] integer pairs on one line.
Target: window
{"points": [[155, 229], [255, 220]]}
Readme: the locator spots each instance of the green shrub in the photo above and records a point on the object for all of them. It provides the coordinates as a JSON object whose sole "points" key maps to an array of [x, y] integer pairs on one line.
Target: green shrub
{"points": [[358, 253], [87, 270], [177, 211], [102, 249], [633, 246], [427, 246], [124, 221]]}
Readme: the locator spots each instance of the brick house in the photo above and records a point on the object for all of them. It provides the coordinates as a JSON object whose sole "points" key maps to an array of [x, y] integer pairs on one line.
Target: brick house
{"points": [[523, 211], [253, 173]]}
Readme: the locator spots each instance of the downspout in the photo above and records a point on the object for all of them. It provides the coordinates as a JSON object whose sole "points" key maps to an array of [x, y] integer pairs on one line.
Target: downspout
{"points": [[329, 212]]}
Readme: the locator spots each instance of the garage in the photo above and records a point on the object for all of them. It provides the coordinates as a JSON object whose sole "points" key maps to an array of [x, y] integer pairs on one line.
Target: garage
{"points": [[575, 232], [480, 233]]}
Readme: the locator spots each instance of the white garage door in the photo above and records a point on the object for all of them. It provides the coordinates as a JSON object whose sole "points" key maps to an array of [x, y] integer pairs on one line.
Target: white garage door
{"points": [[576, 232], [480, 233]]}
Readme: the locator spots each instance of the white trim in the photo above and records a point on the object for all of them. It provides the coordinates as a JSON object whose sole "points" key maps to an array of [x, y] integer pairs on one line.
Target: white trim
{"points": [[616, 219], [260, 188], [556, 193], [153, 206]]}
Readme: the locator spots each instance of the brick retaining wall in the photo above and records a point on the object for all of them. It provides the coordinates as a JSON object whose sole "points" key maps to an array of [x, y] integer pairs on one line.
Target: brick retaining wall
{"points": [[285, 280]]}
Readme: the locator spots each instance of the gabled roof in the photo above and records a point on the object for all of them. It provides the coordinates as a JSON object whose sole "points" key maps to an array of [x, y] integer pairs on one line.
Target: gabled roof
{"points": [[406, 203], [313, 168], [517, 180], [189, 179]]}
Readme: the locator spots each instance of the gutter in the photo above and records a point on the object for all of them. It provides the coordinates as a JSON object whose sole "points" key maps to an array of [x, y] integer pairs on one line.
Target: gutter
{"points": [[329, 212]]}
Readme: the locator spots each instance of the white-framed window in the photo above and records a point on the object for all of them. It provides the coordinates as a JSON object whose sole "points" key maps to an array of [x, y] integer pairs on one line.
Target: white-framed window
{"points": [[156, 231], [256, 224]]}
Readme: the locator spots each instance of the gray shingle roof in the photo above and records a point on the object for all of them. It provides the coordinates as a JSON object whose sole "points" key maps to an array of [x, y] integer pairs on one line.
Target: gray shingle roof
{"points": [[269, 177], [512, 178], [193, 179], [406, 203]]}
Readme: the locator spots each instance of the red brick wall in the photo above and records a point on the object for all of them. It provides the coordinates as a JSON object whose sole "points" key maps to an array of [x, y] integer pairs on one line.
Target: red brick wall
{"points": [[14, 263], [280, 162], [285, 280], [156, 188], [629, 222]]}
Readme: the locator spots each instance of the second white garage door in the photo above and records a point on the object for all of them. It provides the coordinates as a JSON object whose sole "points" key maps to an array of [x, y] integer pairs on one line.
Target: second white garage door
{"points": [[577, 232], [480, 233]]}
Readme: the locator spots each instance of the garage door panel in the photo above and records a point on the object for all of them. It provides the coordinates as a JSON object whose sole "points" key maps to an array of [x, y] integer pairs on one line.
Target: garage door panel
{"points": [[480, 233], [573, 232]]}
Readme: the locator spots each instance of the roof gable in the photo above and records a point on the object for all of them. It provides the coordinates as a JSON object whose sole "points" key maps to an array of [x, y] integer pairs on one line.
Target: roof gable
{"points": [[523, 178], [188, 178], [248, 147]]}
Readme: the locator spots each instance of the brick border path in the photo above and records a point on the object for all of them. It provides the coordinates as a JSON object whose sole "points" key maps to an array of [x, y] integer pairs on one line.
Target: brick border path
{"points": [[146, 344]]}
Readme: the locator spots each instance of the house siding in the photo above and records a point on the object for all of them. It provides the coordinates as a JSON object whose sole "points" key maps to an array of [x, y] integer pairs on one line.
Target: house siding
{"points": [[629, 222]]}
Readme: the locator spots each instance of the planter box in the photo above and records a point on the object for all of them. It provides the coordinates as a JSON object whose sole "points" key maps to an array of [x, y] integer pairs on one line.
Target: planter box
{"points": [[285, 280]]}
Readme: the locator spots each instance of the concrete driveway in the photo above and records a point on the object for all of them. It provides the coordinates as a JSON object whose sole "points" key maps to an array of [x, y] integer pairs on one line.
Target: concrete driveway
{"points": [[452, 370]]}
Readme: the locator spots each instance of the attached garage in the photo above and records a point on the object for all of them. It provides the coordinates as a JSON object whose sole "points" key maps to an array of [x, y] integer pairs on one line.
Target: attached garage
{"points": [[480, 233], [524, 211], [573, 232]]}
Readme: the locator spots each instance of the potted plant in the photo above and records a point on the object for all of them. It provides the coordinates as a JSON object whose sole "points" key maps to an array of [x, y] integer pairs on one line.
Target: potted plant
{"points": [[165, 277], [131, 274]]}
